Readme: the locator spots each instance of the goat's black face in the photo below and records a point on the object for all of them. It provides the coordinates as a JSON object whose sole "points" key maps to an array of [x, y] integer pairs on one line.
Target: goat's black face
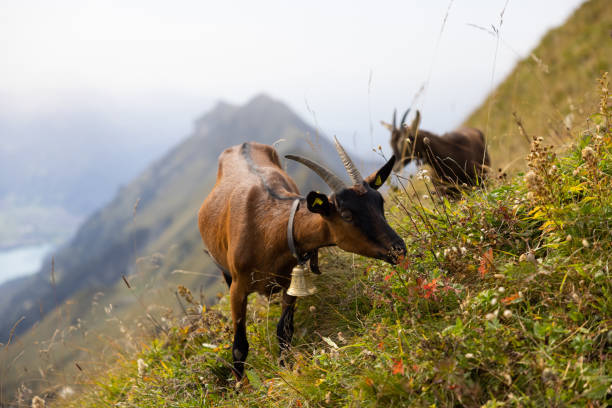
{"points": [[356, 218], [402, 139]]}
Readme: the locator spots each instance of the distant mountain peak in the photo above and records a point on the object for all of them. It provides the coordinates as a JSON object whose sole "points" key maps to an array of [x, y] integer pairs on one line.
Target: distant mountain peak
{"points": [[263, 99], [221, 107], [222, 110], [260, 107], [264, 107]]}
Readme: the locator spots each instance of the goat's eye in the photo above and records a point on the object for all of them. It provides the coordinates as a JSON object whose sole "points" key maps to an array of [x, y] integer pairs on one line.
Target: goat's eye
{"points": [[346, 215]]}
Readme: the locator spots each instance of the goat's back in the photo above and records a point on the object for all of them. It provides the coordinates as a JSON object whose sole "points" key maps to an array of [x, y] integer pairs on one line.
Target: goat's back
{"points": [[244, 200], [470, 144]]}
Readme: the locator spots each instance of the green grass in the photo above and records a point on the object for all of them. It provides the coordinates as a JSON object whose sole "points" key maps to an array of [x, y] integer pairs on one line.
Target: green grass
{"points": [[504, 299]]}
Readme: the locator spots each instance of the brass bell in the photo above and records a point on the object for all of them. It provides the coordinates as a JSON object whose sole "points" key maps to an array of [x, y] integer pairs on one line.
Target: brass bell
{"points": [[300, 283]]}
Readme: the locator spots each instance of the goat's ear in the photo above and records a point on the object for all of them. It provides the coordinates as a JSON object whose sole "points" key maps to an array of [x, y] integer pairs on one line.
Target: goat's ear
{"points": [[387, 125], [318, 203], [378, 178]]}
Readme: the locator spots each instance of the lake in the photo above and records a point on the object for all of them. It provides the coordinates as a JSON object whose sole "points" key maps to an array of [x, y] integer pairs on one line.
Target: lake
{"points": [[22, 261]]}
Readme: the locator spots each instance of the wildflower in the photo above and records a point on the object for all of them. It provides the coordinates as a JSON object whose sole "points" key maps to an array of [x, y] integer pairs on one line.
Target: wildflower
{"points": [[312, 309], [548, 375], [501, 289], [463, 250], [588, 153], [490, 316], [430, 288], [368, 353], [568, 238], [486, 262], [421, 174], [507, 313], [66, 392], [585, 243], [425, 197], [469, 355], [38, 402], [398, 367], [493, 301], [529, 257], [531, 178], [510, 298], [142, 367]]}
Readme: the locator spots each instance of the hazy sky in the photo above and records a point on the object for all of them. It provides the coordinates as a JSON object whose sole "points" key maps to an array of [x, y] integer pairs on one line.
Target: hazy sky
{"points": [[342, 64]]}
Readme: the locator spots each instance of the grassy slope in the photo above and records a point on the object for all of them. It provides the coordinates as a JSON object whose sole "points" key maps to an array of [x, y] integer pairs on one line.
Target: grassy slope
{"points": [[368, 327], [552, 91], [505, 299]]}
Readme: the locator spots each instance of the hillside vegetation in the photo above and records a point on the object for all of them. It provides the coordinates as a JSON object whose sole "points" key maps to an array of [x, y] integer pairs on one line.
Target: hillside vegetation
{"points": [[504, 299], [552, 91]]}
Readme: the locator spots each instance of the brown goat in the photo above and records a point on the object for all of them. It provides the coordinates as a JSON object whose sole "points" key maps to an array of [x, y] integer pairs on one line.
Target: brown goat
{"points": [[458, 158], [244, 225]]}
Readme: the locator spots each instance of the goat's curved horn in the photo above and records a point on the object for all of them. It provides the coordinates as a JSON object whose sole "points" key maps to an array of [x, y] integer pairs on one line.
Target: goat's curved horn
{"points": [[333, 181], [416, 121], [348, 163], [394, 115], [403, 121]]}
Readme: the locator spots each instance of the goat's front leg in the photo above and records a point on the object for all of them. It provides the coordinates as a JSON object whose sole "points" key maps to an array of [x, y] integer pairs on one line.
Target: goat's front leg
{"points": [[284, 329], [240, 348]]}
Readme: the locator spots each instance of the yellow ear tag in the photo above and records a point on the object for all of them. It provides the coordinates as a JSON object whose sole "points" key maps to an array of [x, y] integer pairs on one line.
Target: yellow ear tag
{"points": [[378, 180], [317, 201]]}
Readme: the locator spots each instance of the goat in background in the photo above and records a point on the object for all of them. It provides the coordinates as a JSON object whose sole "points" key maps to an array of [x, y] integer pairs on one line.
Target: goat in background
{"points": [[458, 158]]}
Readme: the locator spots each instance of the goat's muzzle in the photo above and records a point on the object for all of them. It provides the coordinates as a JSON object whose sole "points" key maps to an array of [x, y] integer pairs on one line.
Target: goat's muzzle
{"points": [[396, 253]]}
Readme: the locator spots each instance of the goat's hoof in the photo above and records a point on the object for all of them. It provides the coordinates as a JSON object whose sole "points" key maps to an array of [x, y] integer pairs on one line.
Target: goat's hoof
{"points": [[242, 384]]}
